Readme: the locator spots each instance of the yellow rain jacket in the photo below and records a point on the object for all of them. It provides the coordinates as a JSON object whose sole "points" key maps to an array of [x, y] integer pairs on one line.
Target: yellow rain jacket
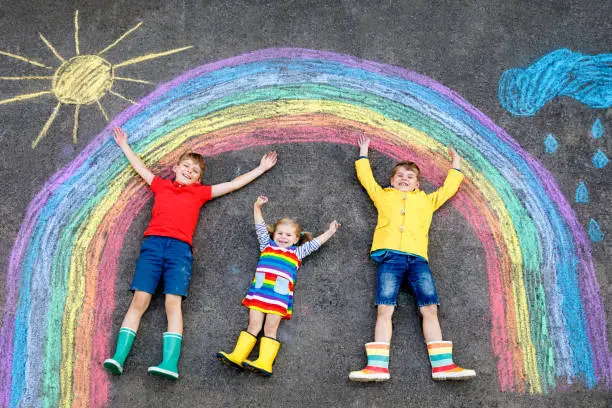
{"points": [[404, 217]]}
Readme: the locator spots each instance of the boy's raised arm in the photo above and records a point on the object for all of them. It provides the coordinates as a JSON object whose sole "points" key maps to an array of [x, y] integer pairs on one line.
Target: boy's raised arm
{"points": [[267, 162], [455, 158], [121, 139], [364, 145]]}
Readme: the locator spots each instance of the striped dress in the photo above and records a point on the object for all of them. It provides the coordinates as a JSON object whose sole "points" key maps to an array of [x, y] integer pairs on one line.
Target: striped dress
{"points": [[272, 288]]}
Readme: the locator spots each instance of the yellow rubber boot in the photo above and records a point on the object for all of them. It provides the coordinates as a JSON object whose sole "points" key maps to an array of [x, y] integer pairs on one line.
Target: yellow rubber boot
{"points": [[267, 353], [244, 346]]}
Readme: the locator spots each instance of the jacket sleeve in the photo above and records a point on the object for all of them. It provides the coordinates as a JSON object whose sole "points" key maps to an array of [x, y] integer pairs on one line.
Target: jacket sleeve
{"points": [[366, 178], [449, 188]]}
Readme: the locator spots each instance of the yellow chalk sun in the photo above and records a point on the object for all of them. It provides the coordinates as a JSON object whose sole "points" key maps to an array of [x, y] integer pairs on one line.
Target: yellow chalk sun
{"points": [[80, 80]]}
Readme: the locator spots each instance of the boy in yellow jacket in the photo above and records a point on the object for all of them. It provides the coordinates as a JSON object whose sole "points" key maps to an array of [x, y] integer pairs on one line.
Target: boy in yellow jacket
{"points": [[400, 248]]}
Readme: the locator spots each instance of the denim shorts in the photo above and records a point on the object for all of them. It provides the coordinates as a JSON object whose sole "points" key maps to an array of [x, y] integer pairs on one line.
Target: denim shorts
{"points": [[394, 268], [167, 258]]}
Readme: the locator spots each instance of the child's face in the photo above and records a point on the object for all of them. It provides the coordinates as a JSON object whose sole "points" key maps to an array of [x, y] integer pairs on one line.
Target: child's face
{"points": [[285, 235], [187, 172], [405, 180]]}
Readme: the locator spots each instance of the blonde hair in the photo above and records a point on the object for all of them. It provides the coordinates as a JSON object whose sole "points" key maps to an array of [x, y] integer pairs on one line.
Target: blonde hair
{"points": [[304, 236]]}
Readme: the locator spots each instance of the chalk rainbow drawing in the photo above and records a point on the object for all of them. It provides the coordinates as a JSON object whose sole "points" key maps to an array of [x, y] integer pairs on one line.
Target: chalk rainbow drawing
{"points": [[81, 80], [547, 315]]}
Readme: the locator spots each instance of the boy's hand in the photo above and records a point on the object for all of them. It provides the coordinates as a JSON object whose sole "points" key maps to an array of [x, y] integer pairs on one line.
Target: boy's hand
{"points": [[120, 136], [455, 158], [268, 161], [261, 200], [333, 226], [364, 145]]}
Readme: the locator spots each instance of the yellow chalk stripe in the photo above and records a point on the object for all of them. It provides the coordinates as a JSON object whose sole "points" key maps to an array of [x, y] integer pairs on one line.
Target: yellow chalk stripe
{"points": [[75, 127], [120, 38], [76, 31], [140, 81], [19, 78], [29, 61], [53, 50], [47, 125], [24, 97], [150, 56], [122, 97], [102, 110]]}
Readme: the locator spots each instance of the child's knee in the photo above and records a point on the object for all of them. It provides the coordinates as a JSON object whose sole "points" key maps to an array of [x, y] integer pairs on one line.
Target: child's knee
{"points": [[385, 312], [430, 311], [140, 302], [173, 302]]}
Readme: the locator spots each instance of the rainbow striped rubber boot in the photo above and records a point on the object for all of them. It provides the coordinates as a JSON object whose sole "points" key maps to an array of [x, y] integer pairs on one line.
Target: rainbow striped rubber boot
{"points": [[442, 365], [378, 364]]}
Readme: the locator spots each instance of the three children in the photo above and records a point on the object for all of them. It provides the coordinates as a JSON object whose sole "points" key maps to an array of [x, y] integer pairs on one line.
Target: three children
{"points": [[399, 246]]}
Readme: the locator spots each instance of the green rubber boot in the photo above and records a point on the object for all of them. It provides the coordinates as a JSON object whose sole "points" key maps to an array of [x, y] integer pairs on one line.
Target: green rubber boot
{"points": [[125, 340], [172, 351]]}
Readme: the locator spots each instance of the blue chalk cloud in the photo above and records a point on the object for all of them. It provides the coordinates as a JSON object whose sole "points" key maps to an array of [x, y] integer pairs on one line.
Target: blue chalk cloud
{"points": [[586, 78]]}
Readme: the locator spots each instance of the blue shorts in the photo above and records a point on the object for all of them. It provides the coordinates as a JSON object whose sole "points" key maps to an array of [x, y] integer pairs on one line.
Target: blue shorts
{"points": [[163, 257], [394, 268]]}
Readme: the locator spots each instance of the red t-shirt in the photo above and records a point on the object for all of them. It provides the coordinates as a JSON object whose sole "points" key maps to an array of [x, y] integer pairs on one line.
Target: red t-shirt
{"points": [[176, 208]]}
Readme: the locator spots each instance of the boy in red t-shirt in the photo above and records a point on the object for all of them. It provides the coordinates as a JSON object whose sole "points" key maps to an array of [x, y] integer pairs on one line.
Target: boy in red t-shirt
{"points": [[166, 251]]}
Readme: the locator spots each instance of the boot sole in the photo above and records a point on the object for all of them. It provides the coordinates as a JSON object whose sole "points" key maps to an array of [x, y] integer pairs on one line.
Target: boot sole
{"points": [[113, 367], [222, 358], [257, 370], [160, 372], [454, 377], [369, 379]]}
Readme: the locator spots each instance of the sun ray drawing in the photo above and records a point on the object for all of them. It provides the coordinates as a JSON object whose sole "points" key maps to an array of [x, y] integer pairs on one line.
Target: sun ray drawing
{"points": [[79, 80]]}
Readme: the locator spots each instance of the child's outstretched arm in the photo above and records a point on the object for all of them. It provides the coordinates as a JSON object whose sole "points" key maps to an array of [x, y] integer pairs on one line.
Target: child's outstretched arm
{"points": [[333, 227], [451, 183], [364, 145], [267, 162], [257, 214], [121, 139], [455, 158], [263, 236]]}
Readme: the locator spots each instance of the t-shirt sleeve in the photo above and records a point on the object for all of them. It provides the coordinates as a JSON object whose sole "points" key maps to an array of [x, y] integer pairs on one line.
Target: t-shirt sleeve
{"points": [[308, 248], [157, 183], [263, 236], [206, 193]]}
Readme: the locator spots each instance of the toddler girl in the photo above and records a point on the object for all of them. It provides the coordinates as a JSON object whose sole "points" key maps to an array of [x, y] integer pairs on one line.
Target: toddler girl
{"points": [[270, 297]]}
